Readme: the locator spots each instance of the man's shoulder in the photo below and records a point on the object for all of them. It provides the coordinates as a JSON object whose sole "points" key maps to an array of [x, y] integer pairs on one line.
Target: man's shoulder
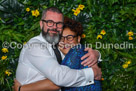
{"points": [[35, 43], [35, 39], [36, 46]]}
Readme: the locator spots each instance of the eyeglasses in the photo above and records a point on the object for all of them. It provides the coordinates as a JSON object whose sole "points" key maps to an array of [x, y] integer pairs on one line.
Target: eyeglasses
{"points": [[68, 37], [51, 23]]}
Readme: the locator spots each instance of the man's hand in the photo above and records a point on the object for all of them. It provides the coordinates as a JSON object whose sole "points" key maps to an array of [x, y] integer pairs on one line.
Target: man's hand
{"points": [[91, 57], [97, 72], [16, 85]]}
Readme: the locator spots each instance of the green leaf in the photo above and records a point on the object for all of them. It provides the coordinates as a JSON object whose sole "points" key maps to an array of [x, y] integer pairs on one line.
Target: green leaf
{"points": [[127, 55], [29, 36], [21, 23], [36, 25], [89, 4], [16, 38], [2, 37]]}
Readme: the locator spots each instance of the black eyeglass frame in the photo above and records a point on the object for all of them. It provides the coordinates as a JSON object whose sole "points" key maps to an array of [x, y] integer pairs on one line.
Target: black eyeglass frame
{"points": [[73, 36], [46, 21]]}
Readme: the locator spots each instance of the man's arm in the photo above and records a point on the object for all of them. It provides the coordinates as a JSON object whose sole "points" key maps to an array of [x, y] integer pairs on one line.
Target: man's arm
{"points": [[92, 57], [46, 64], [46, 85], [42, 85]]}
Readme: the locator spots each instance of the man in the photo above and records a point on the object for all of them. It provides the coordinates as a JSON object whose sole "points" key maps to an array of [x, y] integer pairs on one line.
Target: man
{"points": [[38, 61]]}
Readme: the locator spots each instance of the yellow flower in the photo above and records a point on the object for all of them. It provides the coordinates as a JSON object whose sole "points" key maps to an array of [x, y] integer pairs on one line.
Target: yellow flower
{"points": [[4, 50], [76, 12], [7, 72], [130, 33], [27, 9], [102, 79], [73, 10], [99, 36], [128, 62], [24, 43], [81, 6], [35, 13], [83, 36], [4, 57], [77, 9], [130, 38], [103, 32], [125, 66]]}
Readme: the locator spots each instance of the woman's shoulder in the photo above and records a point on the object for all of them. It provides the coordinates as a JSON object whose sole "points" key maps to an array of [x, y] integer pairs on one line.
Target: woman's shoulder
{"points": [[78, 47]]}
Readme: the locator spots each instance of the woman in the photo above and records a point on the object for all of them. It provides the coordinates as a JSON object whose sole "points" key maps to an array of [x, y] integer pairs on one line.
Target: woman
{"points": [[70, 45]]}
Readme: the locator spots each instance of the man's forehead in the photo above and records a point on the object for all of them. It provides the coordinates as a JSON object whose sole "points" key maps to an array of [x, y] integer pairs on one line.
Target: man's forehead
{"points": [[54, 16]]}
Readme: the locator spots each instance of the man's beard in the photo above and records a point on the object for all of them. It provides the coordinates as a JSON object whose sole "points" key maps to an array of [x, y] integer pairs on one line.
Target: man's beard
{"points": [[52, 38]]}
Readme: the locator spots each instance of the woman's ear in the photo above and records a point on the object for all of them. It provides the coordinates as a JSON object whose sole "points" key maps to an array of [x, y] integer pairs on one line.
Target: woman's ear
{"points": [[79, 38]]}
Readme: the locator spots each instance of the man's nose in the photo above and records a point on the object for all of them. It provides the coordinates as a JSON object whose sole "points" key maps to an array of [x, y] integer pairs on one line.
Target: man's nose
{"points": [[54, 26]]}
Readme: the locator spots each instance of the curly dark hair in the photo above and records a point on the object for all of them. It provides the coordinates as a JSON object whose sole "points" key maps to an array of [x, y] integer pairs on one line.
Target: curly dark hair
{"points": [[73, 26]]}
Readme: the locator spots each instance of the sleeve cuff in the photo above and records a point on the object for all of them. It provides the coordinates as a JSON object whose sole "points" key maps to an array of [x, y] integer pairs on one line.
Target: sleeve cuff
{"points": [[99, 59], [89, 74]]}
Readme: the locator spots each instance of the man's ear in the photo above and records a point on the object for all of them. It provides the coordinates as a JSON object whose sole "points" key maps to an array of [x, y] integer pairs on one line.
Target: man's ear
{"points": [[79, 38], [41, 24]]}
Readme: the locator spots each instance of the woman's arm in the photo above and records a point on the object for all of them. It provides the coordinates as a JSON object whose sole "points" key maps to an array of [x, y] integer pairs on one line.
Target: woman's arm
{"points": [[42, 85]]}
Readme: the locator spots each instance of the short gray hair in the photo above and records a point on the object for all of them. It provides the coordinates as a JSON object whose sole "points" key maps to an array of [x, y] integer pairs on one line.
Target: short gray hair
{"points": [[53, 9]]}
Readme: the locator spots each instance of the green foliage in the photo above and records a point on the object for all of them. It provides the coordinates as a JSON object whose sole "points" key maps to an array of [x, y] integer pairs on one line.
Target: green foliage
{"points": [[116, 17]]}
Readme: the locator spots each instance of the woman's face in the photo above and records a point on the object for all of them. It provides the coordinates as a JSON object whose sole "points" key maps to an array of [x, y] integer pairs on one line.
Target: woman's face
{"points": [[68, 40]]}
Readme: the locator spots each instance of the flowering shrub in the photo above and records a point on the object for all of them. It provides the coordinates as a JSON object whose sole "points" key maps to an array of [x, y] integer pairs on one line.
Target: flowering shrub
{"points": [[109, 26]]}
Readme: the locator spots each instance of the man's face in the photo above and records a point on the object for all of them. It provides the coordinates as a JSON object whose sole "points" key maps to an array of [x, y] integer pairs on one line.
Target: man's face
{"points": [[51, 27]]}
